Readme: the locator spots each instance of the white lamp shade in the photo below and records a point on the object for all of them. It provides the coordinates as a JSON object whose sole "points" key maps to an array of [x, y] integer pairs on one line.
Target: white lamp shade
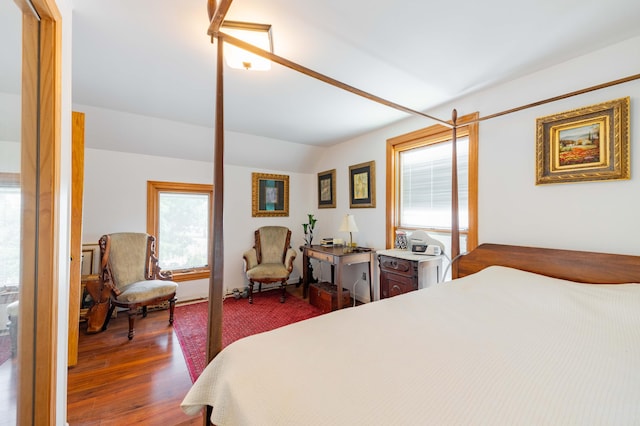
{"points": [[348, 224]]}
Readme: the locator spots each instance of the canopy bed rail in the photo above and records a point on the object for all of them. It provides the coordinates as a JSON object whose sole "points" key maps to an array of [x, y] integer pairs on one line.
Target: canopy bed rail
{"points": [[576, 266]]}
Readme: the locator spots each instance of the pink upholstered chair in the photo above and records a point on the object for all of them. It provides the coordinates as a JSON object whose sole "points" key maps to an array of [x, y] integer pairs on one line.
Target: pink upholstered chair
{"points": [[270, 260], [130, 268]]}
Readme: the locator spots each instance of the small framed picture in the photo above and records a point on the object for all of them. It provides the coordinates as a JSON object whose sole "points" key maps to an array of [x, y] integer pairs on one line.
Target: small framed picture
{"points": [[269, 195], [327, 189], [90, 260], [362, 185], [586, 144]]}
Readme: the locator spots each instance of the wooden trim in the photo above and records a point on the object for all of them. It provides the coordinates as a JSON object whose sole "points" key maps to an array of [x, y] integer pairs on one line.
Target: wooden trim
{"points": [[25, 403], [455, 211], [467, 127], [75, 243], [474, 164], [153, 215], [40, 174], [392, 195]]}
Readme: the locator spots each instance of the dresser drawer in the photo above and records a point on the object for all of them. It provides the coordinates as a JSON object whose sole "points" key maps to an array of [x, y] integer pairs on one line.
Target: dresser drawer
{"points": [[392, 284], [398, 266]]}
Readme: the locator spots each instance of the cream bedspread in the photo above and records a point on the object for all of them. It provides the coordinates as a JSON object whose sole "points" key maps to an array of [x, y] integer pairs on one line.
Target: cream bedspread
{"points": [[500, 347]]}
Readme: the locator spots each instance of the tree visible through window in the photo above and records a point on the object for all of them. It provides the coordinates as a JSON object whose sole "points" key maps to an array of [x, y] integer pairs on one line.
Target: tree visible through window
{"points": [[179, 215]]}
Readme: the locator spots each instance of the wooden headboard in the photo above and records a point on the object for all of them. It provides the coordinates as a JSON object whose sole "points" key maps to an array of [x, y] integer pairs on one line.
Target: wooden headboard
{"points": [[580, 266]]}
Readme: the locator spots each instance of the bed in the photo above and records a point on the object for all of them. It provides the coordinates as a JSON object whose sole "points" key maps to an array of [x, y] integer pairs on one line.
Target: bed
{"points": [[514, 341]]}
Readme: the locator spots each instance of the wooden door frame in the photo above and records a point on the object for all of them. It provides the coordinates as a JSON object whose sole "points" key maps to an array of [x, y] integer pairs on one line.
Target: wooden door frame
{"points": [[75, 240], [40, 174]]}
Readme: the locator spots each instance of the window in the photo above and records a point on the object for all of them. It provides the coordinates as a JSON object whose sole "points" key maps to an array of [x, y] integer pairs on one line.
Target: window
{"points": [[419, 182], [10, 200], [179, 216]]}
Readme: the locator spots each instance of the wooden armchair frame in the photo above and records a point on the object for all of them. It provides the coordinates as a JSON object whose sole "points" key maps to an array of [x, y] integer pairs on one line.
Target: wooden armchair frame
{"points": [[152, 272], [254, 257]]}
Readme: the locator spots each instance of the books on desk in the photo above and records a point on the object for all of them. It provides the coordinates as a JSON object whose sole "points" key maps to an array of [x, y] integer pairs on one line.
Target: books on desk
{"points": [[326, 242], [331, 242]]}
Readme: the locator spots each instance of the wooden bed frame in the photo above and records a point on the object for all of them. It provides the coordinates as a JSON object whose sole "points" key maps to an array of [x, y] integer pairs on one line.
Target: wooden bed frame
{"points": [[571, 265], [579, 266]]}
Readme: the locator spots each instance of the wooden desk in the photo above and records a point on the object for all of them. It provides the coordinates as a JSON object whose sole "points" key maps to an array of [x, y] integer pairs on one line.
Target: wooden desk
{"points": [[338, 257]]}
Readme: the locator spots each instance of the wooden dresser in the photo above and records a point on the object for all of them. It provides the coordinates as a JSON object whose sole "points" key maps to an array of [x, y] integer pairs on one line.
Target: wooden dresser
{"points": [[402, 271]]}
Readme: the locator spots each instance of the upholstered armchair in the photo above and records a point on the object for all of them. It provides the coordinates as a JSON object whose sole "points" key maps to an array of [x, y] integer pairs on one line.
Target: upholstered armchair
{"points": [[129, 268], [270, 260]]}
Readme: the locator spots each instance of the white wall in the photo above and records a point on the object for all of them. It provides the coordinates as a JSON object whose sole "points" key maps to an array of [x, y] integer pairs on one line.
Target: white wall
{"points": [[594, 216], [115, 201], [10, 158]]}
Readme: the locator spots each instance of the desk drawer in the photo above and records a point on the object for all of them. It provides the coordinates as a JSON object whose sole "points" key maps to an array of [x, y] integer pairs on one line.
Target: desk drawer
{"points": [[324, 257], [399, 266]]}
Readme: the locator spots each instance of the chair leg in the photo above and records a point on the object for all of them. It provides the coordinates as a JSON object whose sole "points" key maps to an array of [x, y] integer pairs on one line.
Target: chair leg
{"points": [[132, 318], [284, 291], [144, 312], [108, 318], [250, 292], [172, 305]]}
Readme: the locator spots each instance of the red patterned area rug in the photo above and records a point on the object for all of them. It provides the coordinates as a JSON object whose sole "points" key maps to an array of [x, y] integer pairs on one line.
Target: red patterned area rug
{"points": [[239, 319]]}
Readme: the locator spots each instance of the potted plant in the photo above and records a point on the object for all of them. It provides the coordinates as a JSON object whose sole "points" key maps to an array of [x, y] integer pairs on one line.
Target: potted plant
{"points": [[308, 229]]}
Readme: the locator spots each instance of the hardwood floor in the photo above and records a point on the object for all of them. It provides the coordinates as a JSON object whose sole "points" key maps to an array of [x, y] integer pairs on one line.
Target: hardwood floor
{"points": [[117, 381]]}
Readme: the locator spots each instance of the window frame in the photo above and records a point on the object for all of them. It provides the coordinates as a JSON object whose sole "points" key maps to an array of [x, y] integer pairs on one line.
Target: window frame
{"points": [[154, 188], [467, 127]]}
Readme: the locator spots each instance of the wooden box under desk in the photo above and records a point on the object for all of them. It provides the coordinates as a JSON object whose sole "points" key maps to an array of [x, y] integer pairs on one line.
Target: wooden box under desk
{"points": [[324, 295]]}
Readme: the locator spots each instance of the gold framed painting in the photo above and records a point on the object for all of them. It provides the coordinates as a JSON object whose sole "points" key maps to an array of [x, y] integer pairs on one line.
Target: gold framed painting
{"points": [[269, 195], [327, 189], [585, 144], [362, 185]]}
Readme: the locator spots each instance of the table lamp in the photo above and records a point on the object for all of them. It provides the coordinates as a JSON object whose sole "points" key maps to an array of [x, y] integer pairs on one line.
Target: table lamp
{"points": [[349, 225]]}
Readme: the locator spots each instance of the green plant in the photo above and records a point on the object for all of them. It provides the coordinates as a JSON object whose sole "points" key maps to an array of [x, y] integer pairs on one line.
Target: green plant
{"points": [[308, 229]]}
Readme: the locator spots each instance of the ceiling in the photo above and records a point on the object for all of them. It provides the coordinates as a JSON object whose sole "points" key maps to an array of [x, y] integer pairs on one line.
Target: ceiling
{"points": [[154, 58]]}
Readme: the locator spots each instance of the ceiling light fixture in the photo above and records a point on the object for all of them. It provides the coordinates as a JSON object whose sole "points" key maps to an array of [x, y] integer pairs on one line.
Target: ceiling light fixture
{"points": [[258, 35]]}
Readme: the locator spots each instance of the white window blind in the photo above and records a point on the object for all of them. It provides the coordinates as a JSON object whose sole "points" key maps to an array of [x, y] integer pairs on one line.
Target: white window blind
{"points": [[425, 186]]}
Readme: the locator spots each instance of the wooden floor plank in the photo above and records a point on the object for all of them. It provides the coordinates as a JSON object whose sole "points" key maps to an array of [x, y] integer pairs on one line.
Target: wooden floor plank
{"points": [[117, 381]]}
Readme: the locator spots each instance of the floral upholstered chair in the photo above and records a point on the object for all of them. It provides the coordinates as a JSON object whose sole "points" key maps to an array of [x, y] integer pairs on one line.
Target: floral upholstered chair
{"points": [[271, 258], [129, 268]]}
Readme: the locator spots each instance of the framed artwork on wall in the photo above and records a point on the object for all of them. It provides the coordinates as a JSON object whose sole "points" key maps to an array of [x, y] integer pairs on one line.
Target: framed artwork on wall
{"points": [[90, 260], [327, 189], [362, 185], [586, 144], [269, 195]]}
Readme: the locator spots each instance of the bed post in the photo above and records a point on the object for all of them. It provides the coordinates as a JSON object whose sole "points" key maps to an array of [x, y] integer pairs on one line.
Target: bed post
{"points": [[216, 255], [455, 228]]}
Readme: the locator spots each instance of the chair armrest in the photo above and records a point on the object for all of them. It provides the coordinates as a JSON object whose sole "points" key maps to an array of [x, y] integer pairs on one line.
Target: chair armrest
{"points": [[250, 258], [156, 273], [288, 259]]}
